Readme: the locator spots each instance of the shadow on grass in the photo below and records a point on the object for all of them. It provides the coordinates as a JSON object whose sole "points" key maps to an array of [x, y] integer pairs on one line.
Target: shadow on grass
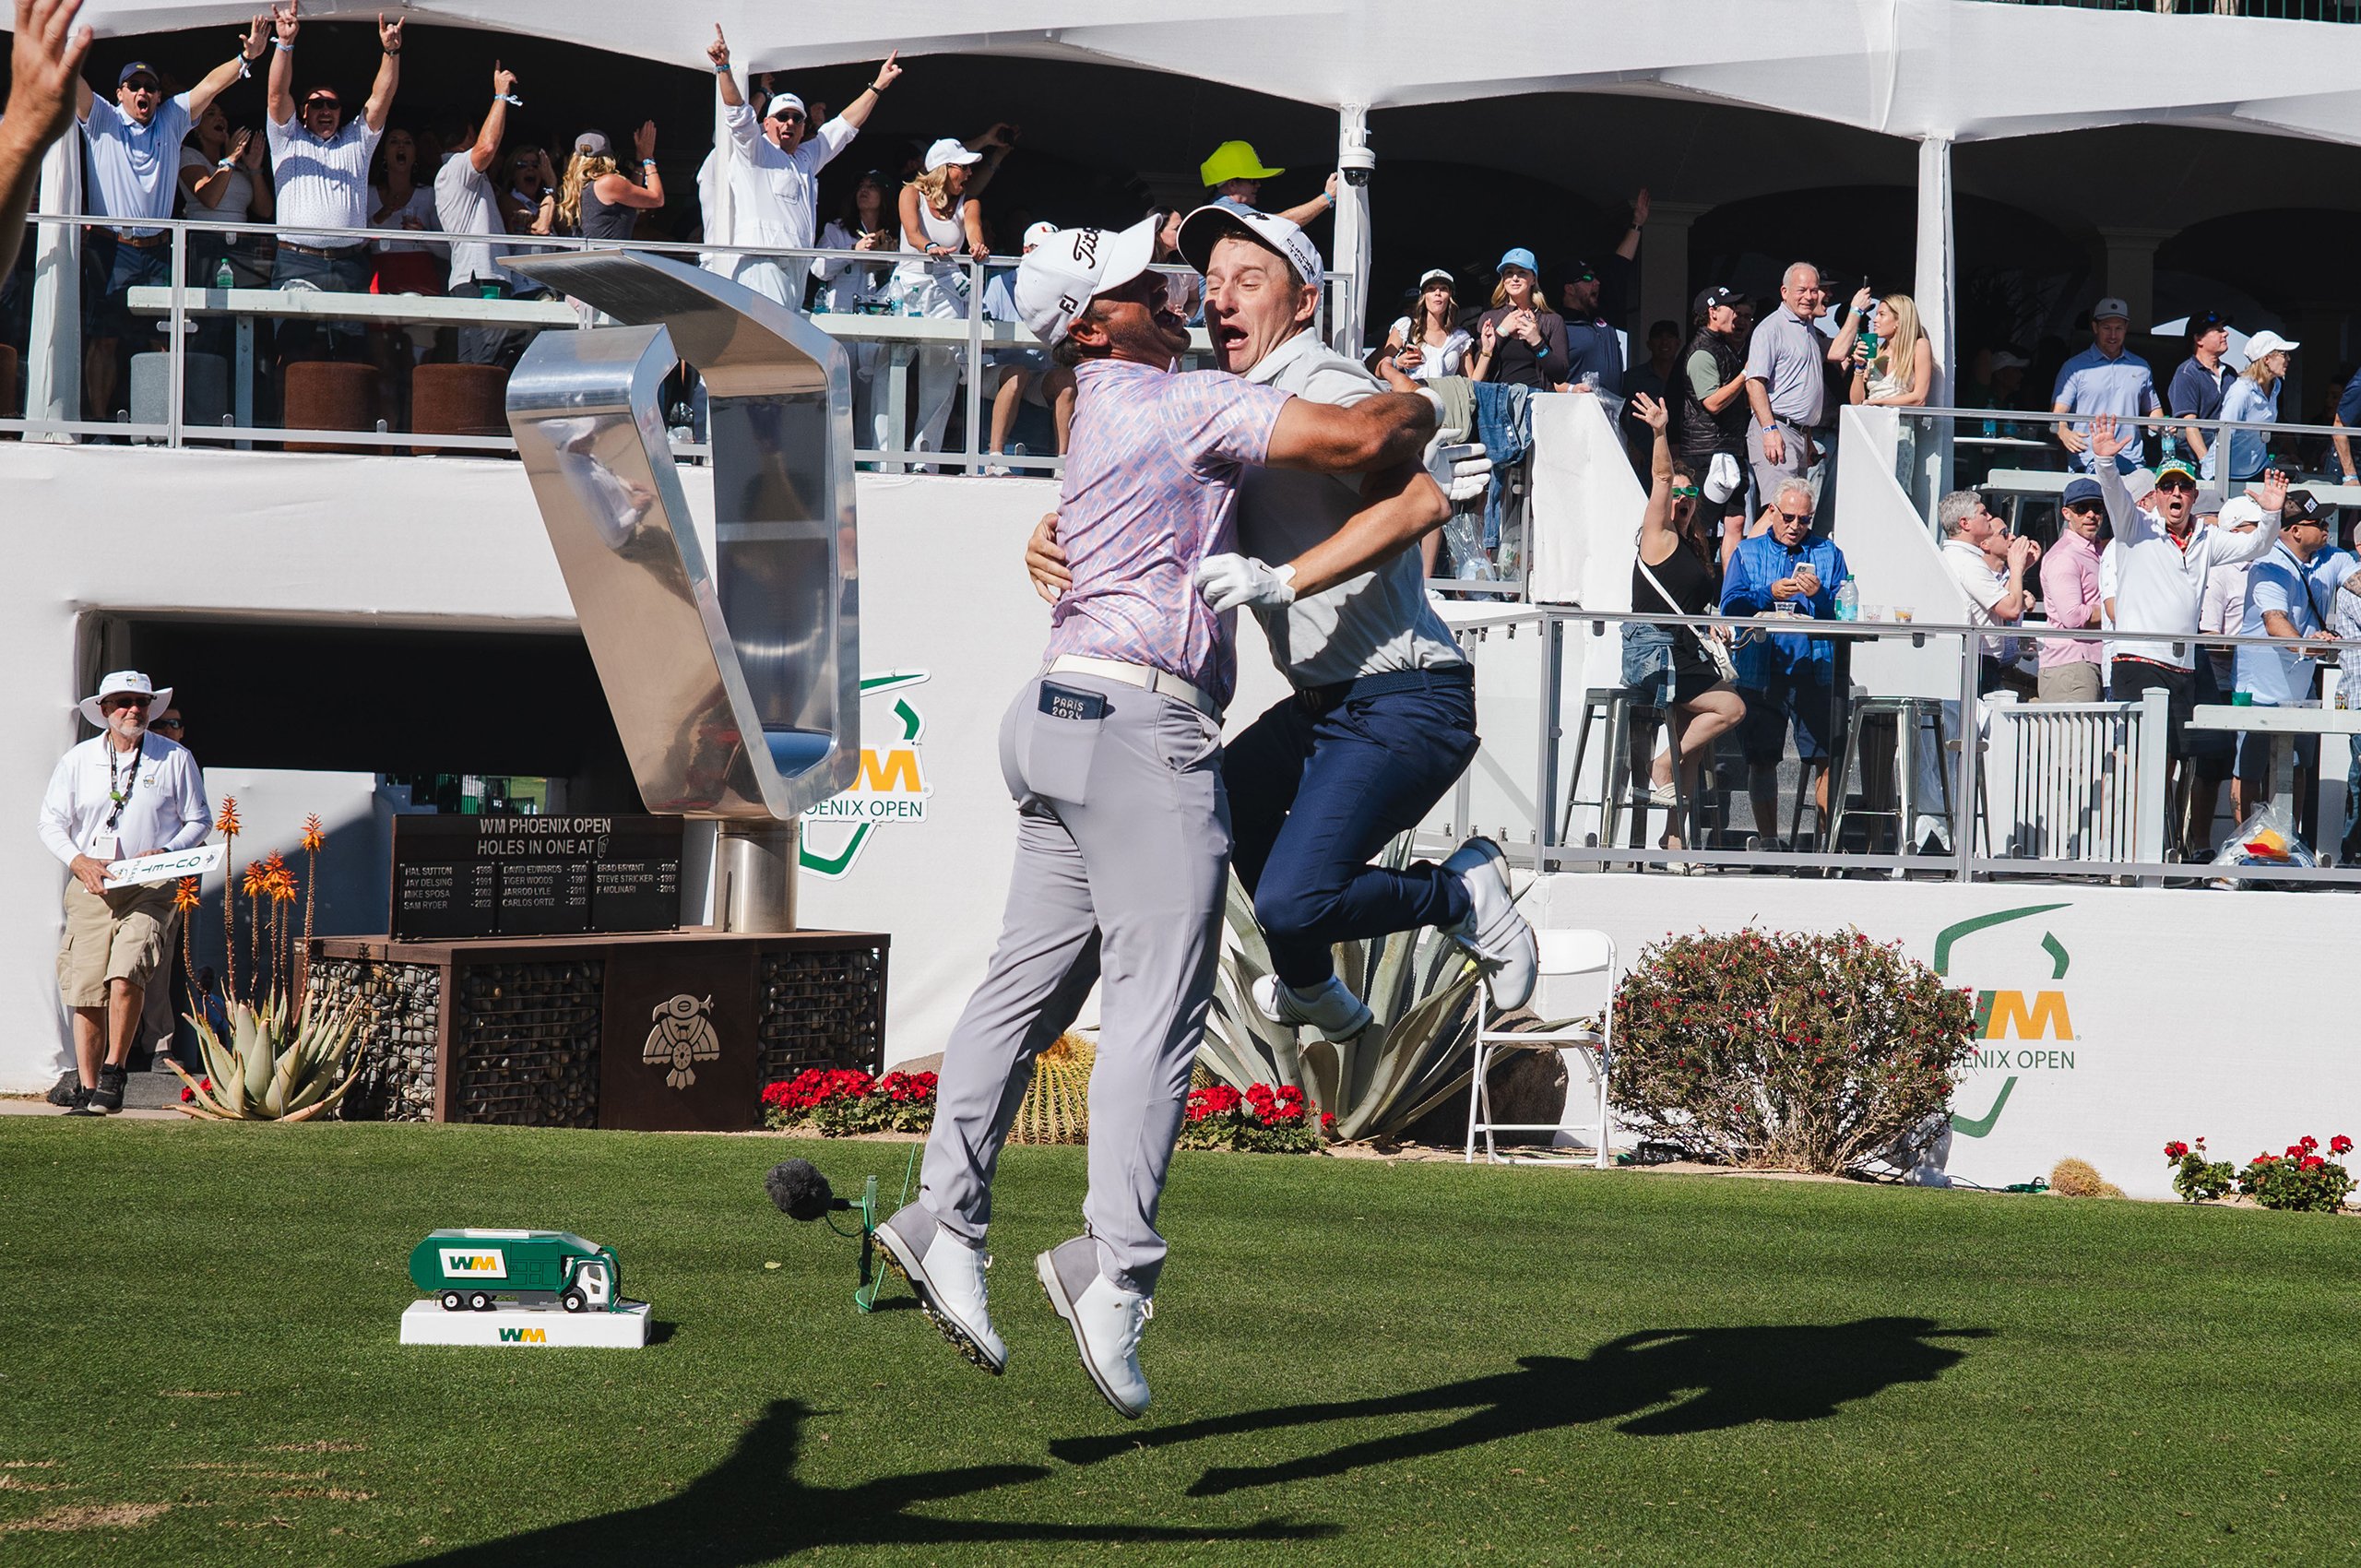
{"points": [[749, 1508], [1652, 1384]]}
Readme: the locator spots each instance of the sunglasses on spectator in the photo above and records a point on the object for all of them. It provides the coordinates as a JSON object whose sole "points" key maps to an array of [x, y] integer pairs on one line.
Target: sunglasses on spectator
{"points": [[1684, 493], [311, 104], [108, 705], [1795, 517], [2177, 483], [166, 724], [143, 84], [788, 115]]}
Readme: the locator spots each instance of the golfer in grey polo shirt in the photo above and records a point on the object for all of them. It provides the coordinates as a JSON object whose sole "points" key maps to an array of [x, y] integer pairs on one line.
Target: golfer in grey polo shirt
{"points": [[1786, 382]]}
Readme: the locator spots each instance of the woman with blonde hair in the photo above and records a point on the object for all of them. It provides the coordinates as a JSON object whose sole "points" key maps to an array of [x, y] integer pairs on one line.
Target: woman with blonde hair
{"points": [[2254, 398], [597, 200], [940, 223], [1893, 365]]}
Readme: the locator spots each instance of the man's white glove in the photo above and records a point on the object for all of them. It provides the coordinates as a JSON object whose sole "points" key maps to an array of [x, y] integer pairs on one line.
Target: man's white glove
{"points": [[1230, 581], [1461, 467]]}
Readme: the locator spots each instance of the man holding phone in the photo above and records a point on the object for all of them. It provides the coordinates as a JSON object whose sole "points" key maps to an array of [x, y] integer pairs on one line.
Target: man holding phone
{"points": [[1787, 679]]}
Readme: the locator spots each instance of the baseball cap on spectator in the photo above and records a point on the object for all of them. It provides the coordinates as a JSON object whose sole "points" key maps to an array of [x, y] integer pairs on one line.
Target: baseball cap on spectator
{"points": [[1035, 233], [1582, 272], [950, 149], [1433, 273], [2205, 321], [1234, 161], [1711, 299], [2172, 467], [2081, 492], [1517, 255], [1722, 479], [2110, 309], [782, 101], [1057, 280], [590, 144], [140, 68], [2302, 507], [1273, 233], [2268, 342], [2008, 359]]}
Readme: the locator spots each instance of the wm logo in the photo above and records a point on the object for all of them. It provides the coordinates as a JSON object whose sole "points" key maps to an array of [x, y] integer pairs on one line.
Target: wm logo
{"points": [[887, 772], [524, 1336], [473, 1263], [2005, 1015]]}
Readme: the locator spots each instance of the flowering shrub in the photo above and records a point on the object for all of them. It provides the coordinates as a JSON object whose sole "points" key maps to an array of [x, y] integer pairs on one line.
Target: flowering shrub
{"points": [[2198, 1179], [1818, 1053], [838, 1101], [2301, 1179], [1263, 1120]]}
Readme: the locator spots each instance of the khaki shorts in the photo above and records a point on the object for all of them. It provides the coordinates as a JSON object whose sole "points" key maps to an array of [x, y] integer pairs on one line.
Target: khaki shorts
{"points": [[123, 935]]}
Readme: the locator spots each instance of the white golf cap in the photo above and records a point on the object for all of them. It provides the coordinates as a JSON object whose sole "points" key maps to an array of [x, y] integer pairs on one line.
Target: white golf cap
{"points": [[2110, 309], [950, 149], [2268, 342], [1058, 279], [1034, 235], [1207, 224], [124, 682], [779, 100]]}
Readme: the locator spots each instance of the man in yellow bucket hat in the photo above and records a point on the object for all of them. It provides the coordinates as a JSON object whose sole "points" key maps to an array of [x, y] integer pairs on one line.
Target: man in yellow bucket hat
{"points": [[1234, 177]]}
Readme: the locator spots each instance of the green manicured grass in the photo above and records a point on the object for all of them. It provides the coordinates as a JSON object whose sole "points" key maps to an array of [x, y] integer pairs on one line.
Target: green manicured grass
{"points": [[1353, 1363]]}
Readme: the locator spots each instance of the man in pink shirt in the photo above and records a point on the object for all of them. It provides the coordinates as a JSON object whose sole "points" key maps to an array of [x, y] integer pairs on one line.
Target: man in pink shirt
{"points": [[2069, 593], [1114, 755]]}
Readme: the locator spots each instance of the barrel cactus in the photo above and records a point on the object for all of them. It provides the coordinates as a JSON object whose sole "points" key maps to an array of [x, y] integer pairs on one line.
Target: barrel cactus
{"points": [[277, 1065], [1056, 1107]]}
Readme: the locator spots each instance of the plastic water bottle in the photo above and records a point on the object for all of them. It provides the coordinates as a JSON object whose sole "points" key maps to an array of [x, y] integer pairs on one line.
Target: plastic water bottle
{"points": [[222, 277], [1849, 600]]}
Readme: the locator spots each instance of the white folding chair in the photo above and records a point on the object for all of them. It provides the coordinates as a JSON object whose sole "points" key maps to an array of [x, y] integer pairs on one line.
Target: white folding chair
{"points": [[1564, 954]]}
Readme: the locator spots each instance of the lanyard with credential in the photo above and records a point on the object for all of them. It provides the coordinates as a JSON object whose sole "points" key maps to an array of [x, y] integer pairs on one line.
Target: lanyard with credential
{"points": [[120, 793]]}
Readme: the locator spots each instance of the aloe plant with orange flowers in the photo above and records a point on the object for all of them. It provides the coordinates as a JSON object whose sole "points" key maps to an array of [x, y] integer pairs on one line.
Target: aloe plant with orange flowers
{"points": [[281, 1058]]}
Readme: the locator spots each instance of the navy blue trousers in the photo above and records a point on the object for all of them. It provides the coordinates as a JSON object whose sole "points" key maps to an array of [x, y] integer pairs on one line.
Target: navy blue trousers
{"points": [[1315, 792]]}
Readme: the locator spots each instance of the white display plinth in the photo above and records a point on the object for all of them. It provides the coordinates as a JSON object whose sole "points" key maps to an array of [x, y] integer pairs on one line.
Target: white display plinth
{"points": [[508, 1325]]}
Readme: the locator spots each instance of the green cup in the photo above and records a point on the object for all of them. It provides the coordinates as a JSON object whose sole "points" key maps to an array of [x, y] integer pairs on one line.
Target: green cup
{"points": [[2241, 699]]}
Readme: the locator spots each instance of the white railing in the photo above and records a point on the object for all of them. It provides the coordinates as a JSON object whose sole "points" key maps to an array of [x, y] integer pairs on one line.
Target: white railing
{"points": [[890, 345]]}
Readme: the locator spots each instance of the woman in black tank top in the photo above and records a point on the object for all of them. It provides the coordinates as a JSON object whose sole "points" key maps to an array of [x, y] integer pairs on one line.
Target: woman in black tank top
{"points": [[600, 202], [1667, 665]]}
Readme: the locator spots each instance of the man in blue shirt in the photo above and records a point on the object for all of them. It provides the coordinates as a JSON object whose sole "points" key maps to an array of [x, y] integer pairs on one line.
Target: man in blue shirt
{"points": [[2288, 595], [2200, 382], [2106, 379], [2348, 414], [1786, 678]]}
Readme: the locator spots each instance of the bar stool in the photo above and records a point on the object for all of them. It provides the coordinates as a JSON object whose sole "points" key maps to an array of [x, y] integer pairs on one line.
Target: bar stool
{"points": [[1622, 786], [330, 395], [1912, 717], [459, 399], [205, 388]]}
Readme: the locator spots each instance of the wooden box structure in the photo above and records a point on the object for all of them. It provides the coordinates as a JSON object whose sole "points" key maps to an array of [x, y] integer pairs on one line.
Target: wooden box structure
{"points": [[674, 1032]]}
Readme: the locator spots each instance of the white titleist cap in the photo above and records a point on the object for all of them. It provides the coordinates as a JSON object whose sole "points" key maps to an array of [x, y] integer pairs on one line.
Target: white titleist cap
{"points": [[1207, 224], [1059, 277]]}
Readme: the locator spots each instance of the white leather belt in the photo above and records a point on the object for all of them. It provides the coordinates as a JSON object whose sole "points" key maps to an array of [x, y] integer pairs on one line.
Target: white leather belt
{"points": [[1163, 682]]}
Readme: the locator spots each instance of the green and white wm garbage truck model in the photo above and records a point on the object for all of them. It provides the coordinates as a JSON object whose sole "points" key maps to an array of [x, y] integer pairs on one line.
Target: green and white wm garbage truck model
{"points": [[468, 1269]]}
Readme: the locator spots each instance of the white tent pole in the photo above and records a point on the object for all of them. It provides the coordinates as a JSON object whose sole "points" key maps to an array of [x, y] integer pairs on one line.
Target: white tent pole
{"points": [[1936, 289], [53, 378], [1348, 308]]}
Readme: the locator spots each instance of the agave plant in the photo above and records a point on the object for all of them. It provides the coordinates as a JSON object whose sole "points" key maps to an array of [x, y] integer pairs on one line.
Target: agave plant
{"points": [[275, 1065], [1420, 988]]}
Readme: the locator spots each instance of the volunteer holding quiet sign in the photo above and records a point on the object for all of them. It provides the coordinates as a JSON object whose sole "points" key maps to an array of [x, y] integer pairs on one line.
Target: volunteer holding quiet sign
{"points": [[124, 792]]}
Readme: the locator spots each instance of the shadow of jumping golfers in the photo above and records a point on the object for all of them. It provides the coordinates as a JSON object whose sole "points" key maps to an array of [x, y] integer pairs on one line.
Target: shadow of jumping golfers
{"points": [[1654, 1383], [750, 1508]]}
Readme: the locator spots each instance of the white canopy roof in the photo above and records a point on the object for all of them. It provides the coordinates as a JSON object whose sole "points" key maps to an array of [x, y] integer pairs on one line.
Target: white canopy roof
{"points": [[1964, 69]]}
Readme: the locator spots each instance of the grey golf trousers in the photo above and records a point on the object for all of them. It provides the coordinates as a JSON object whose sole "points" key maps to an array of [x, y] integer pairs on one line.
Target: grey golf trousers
{"points": [[1123, 849]]}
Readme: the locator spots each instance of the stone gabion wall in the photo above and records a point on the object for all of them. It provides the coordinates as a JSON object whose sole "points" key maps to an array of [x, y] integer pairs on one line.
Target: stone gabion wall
{"points": [[393, 1050], [525, 1043], [821, 1009]]}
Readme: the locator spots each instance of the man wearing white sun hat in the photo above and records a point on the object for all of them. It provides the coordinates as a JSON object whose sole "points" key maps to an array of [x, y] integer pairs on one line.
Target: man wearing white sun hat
{"points": [[124, 792], [1113, 754]]}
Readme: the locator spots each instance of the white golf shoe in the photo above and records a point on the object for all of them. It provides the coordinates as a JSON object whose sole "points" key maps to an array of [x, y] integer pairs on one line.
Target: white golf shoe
{"points": [[1107, 1322], [947, 1276], [1498, 937], [1331, 1007]]}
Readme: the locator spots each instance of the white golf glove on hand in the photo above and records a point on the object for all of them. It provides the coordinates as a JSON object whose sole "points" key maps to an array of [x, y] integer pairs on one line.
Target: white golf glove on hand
{"points": [[1461, 467], [1230, 581]]}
